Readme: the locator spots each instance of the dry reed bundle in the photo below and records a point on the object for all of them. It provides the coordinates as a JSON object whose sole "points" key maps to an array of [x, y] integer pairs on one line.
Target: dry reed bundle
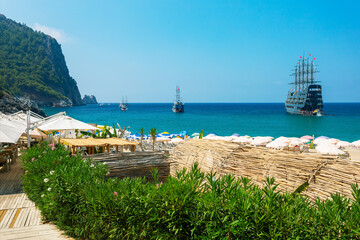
{"points": [[135, 164], [326, 174]]}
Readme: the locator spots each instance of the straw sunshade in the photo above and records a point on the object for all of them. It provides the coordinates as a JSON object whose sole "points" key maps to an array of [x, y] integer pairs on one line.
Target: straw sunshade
{"points": [[96, 142]]}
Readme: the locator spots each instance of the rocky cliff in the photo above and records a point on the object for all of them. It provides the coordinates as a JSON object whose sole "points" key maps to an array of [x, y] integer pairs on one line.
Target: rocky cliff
{"points": [[10, 104], [32, 65], [89, 99]]}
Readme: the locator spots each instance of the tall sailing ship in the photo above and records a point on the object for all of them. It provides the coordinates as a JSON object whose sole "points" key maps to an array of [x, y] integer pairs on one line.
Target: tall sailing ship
{"points": [[178, 106], [124, 104], [305, 97]]}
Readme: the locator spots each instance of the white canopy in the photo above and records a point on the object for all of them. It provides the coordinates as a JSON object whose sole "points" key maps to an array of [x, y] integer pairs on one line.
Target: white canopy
{"points": [[65, 123], [176, 140], [9, 134], [329, 149], [295, 142], [356, 143], [343, 144], [277, 144], [12, 123], [261, 140], [22, 117]]}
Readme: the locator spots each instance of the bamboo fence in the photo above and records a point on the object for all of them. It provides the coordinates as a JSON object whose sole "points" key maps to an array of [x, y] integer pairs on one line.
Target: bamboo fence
{"points": [[325, 174], [135, 164]]}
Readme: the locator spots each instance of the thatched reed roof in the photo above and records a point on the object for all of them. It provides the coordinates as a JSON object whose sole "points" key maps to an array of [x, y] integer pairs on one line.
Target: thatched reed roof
{"points": [[96, 142], [82, 142], [116, 141]]}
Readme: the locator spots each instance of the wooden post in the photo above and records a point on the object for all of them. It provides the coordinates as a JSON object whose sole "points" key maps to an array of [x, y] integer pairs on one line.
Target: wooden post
{"points": [[108, 148], [73, 149], [117, 148]]}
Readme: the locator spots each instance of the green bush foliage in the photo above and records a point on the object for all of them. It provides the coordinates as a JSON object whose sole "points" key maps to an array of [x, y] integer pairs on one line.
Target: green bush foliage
{"points": [[76, 195]]}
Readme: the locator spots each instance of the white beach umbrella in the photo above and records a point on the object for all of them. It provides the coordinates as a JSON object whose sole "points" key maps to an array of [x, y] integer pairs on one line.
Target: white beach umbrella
{"points": [[65, 123], [329, 149], [9, 134], [295, 142], [242, 139], [320, 139], [162, 139], [22, 117], [212, 137], [261, 140], [12, 123], [304, 140], [283, 139], [332, 141], [277, 144], [343, 144], [227, 138], [176, 140], [356, 143]]}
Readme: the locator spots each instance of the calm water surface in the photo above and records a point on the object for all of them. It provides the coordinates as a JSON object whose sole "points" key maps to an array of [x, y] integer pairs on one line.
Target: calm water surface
{"points": [[254, 119]]}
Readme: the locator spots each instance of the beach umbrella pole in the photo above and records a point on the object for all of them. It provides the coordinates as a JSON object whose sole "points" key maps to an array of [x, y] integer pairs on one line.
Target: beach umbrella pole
{"points": [[28, 128]]}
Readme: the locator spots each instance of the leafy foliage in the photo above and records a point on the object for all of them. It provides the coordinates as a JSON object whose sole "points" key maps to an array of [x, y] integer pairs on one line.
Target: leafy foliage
{"points": [[75, 194], [153, 133], [32, 64], [142, 132]]}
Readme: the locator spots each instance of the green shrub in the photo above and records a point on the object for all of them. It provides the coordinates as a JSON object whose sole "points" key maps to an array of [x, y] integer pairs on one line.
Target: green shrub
{"points": [[76, 195]]}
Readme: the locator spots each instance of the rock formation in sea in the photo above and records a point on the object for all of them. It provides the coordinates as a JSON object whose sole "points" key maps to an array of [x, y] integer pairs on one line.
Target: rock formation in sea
{"points": [[89, 99], [32, 65]]}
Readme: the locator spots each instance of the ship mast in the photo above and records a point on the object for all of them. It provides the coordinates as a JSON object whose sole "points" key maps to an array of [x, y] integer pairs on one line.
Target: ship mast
{"points": [[178, 94], [304, 73], [307, 72], [296, 78]]}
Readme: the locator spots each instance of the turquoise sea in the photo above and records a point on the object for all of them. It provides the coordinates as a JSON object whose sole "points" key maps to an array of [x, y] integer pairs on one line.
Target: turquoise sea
{"points": [[254, 119]]}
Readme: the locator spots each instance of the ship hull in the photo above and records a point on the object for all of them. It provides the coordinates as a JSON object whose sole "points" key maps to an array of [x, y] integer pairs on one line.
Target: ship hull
{"points": [[307, 102], [178, 107]]}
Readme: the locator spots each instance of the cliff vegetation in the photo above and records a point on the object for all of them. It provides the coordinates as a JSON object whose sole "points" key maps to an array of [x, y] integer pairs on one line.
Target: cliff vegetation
{"points": [[32, 65]]}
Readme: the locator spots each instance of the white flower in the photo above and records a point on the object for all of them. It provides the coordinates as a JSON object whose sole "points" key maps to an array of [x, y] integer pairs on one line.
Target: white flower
{"points": [[107, 173], [42, 195], [52, 172], [92, 165], [46, 180], [49, 189]]}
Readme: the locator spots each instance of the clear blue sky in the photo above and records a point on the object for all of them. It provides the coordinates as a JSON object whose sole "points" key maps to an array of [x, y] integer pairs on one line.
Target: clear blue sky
{"points": [[217, 51]]}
